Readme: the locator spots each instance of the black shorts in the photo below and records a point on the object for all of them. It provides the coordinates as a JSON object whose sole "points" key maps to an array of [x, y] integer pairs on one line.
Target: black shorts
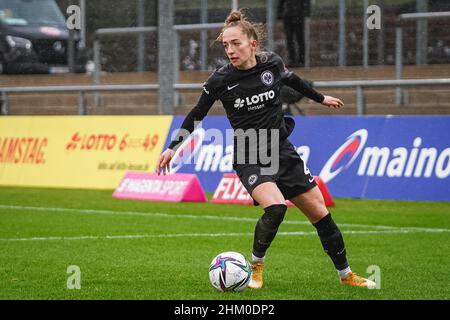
{"points": [[292, 178]]}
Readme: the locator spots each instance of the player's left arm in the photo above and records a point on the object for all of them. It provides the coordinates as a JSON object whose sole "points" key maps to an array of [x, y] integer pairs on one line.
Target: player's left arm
{"points": [[292, 80]]}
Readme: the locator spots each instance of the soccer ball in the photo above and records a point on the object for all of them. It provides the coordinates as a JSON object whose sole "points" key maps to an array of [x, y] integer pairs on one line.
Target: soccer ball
{"points": [[230, 271]]}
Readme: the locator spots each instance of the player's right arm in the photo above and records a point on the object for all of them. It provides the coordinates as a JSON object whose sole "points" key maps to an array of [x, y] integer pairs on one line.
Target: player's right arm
{"points": [[192, 119]]}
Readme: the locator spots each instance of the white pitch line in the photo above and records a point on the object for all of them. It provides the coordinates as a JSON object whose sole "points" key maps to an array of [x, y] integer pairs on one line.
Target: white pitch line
{"points": [[128, 236], [202, 217], [185, 235]]}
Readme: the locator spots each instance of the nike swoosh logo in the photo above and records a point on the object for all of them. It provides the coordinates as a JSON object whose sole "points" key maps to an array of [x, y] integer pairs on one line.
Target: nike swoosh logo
{"points": [[229, 88], [311, 180]]}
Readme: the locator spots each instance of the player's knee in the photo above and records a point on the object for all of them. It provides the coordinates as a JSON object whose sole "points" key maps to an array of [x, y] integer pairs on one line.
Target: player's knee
{"points": [[273, 216], [326, 227]]}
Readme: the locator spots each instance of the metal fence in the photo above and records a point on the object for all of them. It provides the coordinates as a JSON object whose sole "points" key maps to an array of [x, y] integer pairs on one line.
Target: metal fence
{"points": [[170, 74], [359, 86], [175, 53], [140, 30], [399, 43]]}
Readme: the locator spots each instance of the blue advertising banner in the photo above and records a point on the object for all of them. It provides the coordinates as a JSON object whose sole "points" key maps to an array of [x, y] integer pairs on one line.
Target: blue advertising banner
{"points": [[375, 157], [208, 152]]}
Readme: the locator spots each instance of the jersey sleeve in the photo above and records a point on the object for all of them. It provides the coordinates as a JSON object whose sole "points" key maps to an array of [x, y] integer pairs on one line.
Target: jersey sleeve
{"points": [[295, 82], [280, 65], [210, 86], [196, 115]]}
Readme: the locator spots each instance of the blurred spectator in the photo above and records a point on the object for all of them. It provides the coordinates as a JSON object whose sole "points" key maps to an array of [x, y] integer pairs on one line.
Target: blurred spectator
{"points": [[190, 61], [438, 52], [193, 46], [293, 13]]}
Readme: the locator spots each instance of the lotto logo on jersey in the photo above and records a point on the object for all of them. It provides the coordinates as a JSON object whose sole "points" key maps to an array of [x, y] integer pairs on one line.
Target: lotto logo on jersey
{"points": [[239, 103], [254, 102]]}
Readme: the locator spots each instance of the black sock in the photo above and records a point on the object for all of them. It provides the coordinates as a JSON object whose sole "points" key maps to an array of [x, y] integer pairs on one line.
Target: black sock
{"points": [[267, 227], [332, 241]]}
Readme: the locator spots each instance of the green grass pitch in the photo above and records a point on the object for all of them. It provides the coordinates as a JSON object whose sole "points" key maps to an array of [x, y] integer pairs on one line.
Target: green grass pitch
{"points": [[151, 250]]}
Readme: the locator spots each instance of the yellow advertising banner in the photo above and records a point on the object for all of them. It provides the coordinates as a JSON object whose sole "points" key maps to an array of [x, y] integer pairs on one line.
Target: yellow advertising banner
{"points": [[78, 151]]}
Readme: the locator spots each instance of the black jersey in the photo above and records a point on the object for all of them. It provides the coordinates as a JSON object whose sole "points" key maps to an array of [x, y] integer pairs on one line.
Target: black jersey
{"points": [[251, 98]]}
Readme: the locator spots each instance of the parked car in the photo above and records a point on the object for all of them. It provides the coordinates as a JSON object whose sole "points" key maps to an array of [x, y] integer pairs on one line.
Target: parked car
{"points": [[34, 38]]}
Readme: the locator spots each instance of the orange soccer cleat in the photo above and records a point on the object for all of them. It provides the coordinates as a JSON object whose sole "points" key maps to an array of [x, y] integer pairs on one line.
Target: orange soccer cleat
{"points": [[354, 280], [257, 279]]}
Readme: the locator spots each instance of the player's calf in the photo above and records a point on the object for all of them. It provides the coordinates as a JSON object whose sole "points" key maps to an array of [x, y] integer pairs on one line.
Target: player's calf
{"points": [[333, 244], [267, 227], [265, 231]]}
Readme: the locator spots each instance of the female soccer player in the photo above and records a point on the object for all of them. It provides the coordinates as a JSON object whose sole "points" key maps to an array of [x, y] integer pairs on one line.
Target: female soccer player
{"points": [[249, 89]]}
